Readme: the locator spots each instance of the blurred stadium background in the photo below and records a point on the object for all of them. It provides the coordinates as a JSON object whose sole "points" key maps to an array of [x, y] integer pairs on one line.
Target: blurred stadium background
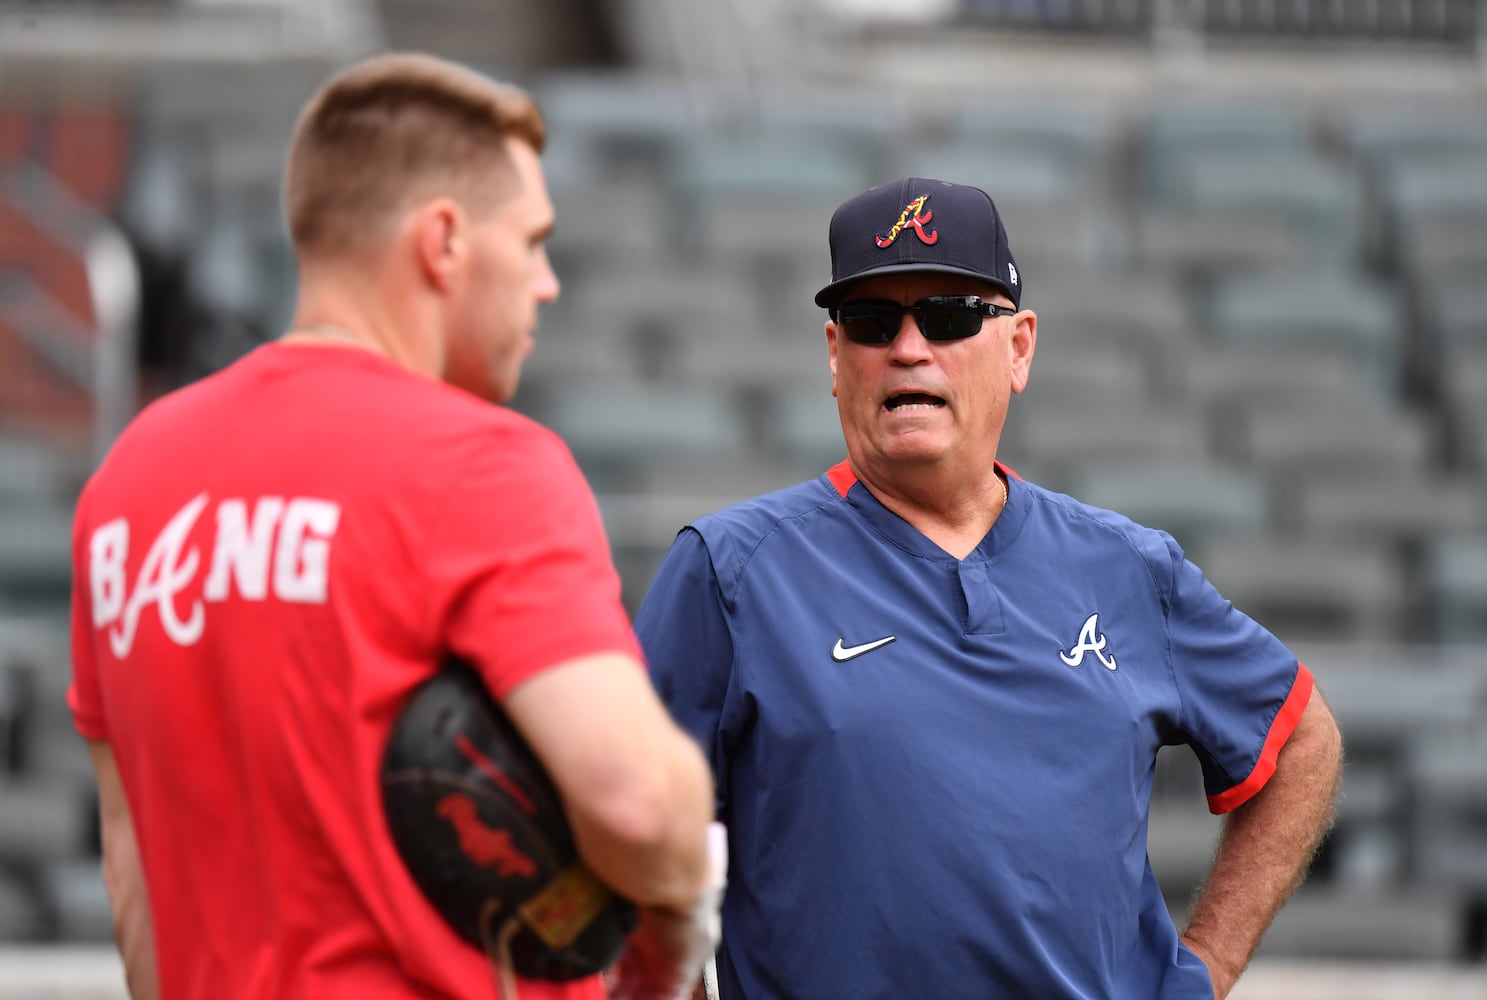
{"points": [[1255, 232]]}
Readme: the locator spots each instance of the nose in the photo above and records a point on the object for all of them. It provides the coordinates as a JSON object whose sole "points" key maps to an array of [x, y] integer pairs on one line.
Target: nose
{"points": [[546, 282], [910, 345]]}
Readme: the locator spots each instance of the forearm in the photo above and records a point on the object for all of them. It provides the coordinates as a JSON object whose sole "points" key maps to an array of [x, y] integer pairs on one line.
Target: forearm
{"points": [[636, 788], [134, 930], [1265, 849], [124, 877], [649, 844]]}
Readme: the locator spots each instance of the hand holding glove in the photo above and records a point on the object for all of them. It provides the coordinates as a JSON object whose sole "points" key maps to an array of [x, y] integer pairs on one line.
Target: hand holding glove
{"points": [[668, 949]]}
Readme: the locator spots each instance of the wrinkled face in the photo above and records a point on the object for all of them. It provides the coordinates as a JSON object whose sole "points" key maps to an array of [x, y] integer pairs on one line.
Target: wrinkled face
{"points": [[507, 277], [916, 401]]}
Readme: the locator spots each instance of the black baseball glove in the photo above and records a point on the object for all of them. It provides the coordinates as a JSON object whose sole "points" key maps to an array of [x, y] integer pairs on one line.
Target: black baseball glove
{"points": [[483, 833]]}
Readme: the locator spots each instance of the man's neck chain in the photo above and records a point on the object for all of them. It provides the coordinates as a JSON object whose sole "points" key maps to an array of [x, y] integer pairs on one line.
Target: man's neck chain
{"points": [[329, 331]]}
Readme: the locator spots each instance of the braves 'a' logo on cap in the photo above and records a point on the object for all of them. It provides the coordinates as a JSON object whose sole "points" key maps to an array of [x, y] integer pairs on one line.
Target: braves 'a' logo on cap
{"points": [[911, 217]]}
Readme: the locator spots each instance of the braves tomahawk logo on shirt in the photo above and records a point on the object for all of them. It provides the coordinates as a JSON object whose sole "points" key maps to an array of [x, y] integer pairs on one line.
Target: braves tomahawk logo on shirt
{"points": [[268, 545], [1091, 640]]}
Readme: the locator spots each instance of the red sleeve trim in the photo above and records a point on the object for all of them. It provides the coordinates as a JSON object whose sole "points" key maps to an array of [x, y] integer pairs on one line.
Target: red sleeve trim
{"points": [[842, 477], [88, 725], [502, 686], [1280, 731]]}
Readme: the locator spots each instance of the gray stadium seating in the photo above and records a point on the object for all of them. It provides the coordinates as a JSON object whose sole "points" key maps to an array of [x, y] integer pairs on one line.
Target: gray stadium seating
{"points": [[1420, 925], [614, 428], [1261, 328], [1304, 588], [1324, 308], [1194, 502], [1456, 585], [1403, 507], [1310, 438]]}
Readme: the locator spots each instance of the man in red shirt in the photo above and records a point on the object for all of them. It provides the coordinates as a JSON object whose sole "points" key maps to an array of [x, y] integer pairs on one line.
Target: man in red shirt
{"points": [[270, 560]]}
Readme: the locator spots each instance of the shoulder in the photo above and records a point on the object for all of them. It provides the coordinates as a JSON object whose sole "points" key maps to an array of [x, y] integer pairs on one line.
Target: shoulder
{"points": [[733, 533], [1100, 536], [351, 408], [758, 516]]}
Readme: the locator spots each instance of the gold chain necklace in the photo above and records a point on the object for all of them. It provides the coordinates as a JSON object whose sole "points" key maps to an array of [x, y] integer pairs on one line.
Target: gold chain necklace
{"points": [[330, 331]]}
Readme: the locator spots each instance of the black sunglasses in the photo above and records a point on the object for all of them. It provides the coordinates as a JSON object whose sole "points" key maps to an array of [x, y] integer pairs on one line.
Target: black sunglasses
{"points": [[939, 317]]}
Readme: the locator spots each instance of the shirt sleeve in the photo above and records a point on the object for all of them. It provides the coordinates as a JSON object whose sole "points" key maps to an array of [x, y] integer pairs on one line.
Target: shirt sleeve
{"points": [[521, 565], [683, 625], [1242, 690], [84, 693]]}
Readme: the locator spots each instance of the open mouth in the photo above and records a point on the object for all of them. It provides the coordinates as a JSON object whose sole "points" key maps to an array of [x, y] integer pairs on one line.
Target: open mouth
{"points": [[912, 401]]}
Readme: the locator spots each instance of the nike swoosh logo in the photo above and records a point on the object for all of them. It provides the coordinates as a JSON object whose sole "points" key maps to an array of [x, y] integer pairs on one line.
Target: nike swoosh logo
{"points": [[842, 654]]}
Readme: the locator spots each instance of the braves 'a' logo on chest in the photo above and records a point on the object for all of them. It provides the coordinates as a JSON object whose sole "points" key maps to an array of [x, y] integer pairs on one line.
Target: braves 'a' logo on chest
{"points": [[1091, 640]]}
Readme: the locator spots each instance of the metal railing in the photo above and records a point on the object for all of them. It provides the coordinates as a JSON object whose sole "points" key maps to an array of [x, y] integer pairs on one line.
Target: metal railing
{"points": [[103, 359], [189, 30], [1456, 23]]}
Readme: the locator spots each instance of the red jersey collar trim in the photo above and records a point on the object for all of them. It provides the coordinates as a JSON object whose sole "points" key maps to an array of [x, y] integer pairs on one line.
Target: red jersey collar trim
{"points": [[842, 477]]}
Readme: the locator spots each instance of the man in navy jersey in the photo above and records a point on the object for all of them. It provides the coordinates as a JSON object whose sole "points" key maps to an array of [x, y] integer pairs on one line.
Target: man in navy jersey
{"points": [[933, 693]]}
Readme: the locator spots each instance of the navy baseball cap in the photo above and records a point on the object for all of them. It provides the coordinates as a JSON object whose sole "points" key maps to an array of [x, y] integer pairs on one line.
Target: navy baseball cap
{"points": [[918, 224]]}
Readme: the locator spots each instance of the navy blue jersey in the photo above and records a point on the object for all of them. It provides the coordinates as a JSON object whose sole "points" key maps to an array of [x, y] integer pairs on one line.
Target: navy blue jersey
{"points": [[935, 772]]}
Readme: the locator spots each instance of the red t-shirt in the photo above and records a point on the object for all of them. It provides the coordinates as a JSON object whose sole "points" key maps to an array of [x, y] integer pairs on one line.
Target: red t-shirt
{"points": [[265, 565]]}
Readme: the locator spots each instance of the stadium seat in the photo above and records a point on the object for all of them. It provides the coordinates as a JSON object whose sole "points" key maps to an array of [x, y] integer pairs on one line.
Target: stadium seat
{"points": [[1375, 502], [862, 118], [618, 108], [721, 352], [1225, 376], [1326, 308], [1073, 428], [1466, 393], [1302, 588], [1448, 771], [1178, 130], [38, 469], [747, 191], [615, 427], [599, 220], [1144, 309], [1377, 133], [1192, 501], [1316, 198], [1077, 130], [802, 425], [710, 483], [77, 901], [20, 917], [41, 821], [1421, 925], [1197, 242], [1455, 569], [1458, 303], [1437, 204], [1180, 840], [35, 554], [1385, 695], [567, 348], [1318, 438], [677, 299], [1080, 362]]}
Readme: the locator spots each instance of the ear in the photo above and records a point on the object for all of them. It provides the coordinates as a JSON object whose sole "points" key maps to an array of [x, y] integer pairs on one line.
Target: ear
{"points": [[440, 237], [1024, 341], [831, 336]]}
